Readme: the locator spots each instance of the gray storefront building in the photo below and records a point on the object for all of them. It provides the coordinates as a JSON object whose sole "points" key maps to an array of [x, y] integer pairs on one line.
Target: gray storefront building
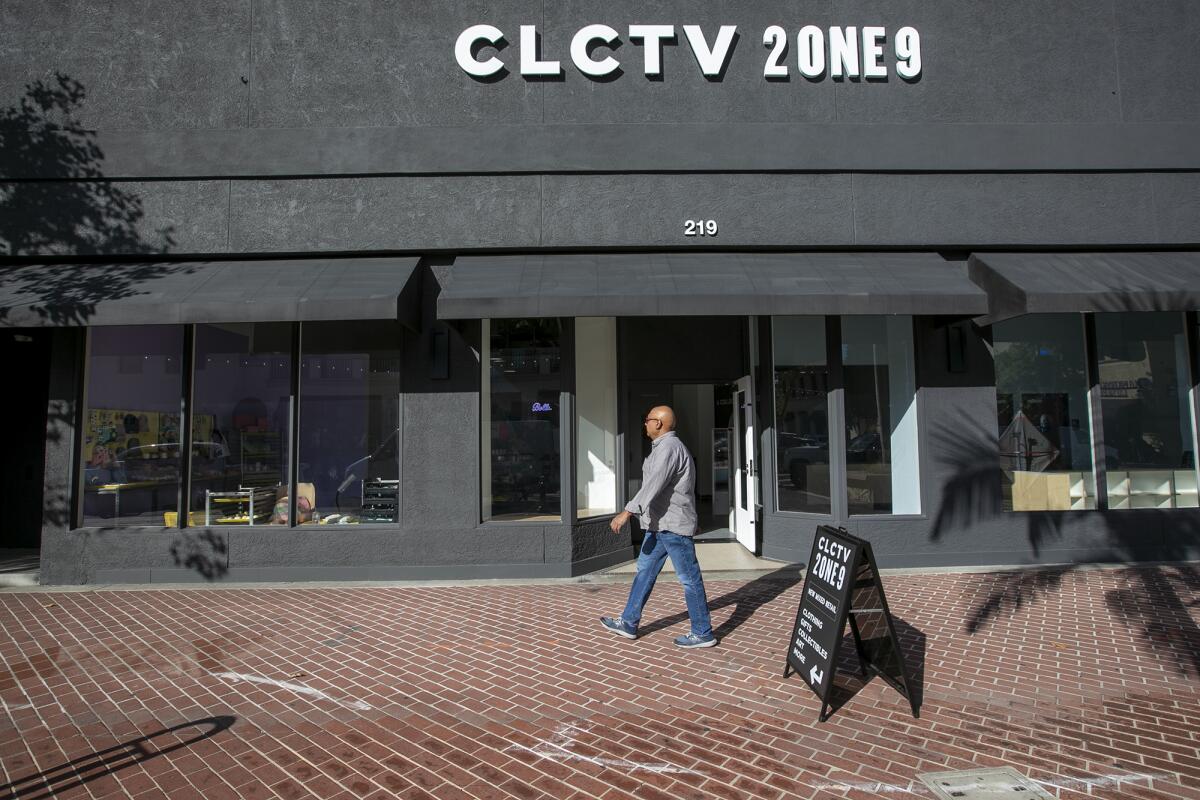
{"points": [[299, 291]]}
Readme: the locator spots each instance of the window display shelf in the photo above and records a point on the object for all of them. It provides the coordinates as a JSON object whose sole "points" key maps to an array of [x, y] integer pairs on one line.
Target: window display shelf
{"points": [[1152, 488], [379, 500], [1082, 490], [247, 506]]}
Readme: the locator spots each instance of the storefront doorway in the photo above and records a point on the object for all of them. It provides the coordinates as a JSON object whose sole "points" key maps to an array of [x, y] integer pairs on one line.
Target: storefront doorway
{"points": [[700, 367], [25, 353]]}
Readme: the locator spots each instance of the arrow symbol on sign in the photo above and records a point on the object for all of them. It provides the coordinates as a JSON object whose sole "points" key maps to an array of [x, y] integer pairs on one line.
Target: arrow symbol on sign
{"points": [[815, 674]]}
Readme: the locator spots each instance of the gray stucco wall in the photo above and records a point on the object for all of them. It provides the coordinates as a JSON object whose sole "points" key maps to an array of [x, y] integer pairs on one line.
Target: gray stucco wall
{"points": [[177, 65], [251, 101]]}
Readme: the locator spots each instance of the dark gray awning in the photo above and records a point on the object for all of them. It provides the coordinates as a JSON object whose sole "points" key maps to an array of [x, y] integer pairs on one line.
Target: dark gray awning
{"points": [[208, 291], [706, 284], [1044, 283]]}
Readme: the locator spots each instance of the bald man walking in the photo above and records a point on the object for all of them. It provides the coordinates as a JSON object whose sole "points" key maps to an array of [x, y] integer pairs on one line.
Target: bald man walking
{"points": [[666, 508]]}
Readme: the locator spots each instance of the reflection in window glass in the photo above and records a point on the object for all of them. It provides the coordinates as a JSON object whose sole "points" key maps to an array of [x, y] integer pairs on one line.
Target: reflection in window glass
{"points": [[801, 414], [349, 423], [1042, 413], [1143, 396], [521, 393], [882, 465], [130, 457], [596, 410], [240, 399]]}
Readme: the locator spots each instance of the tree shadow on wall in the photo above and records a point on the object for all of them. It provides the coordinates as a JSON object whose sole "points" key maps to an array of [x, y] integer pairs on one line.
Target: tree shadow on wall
{"points": [[202, 551], [1155, 601], [55, 202]]}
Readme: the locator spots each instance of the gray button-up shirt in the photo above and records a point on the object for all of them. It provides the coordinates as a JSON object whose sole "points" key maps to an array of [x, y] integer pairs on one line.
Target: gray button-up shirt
{"points": [[667, 499]]}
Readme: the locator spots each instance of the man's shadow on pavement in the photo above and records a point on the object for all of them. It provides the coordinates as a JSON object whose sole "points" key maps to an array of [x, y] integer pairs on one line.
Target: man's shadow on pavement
{"points": [[747, 598]]}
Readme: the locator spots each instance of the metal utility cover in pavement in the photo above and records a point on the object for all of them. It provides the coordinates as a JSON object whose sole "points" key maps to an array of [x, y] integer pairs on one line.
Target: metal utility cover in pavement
{"points": [[978, 784]]}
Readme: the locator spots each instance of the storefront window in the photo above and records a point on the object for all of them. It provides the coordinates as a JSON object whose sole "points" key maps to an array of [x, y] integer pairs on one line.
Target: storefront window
{"points": [[801, 414], [882, 465], [130, 458], [521, 391], [596, 410], [240, 396], [1143, 372], [349, 423], [1042, 413]]}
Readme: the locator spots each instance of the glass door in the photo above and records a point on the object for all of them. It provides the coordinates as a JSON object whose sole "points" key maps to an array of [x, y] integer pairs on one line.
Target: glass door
{"points": [[745, 474]]}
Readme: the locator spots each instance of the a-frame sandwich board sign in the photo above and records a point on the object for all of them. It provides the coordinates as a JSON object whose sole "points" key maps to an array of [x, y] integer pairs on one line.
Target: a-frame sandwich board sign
{"points": [[841, 584]]}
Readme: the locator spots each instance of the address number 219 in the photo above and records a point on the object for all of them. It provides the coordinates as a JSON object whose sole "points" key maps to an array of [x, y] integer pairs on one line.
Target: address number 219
{"points": [[699, 227]]}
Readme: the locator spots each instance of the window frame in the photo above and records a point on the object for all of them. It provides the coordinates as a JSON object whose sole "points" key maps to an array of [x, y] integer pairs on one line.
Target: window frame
{"points": [[839, 501], [186, 407], [1096, 413], [566, 425], [1095, 407]]}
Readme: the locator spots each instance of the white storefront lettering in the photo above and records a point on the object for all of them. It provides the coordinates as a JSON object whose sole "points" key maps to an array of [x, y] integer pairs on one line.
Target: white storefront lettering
{"points": [[838, 51]]}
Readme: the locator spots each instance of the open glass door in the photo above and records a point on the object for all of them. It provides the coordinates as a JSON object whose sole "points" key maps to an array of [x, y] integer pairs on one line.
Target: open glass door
{"points": [[745, 487]]}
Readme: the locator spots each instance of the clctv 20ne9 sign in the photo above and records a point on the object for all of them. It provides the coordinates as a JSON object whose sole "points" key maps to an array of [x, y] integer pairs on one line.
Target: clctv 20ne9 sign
{"points": [[841, 52]]}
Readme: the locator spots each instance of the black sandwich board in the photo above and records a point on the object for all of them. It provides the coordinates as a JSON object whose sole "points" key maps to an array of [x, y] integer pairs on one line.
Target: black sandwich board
{"points": [[842, 584]]}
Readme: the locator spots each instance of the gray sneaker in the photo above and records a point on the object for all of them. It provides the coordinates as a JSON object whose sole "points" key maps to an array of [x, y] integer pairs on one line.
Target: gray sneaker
{"points": [[692, 640], [620, 627]]}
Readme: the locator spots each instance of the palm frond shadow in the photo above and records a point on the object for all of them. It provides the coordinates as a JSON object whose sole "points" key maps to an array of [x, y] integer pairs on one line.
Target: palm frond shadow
{"points": [[1156, 601]]}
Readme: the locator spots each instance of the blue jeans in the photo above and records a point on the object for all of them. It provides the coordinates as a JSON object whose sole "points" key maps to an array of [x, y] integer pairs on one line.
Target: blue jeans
{"points": [[655, 548]]}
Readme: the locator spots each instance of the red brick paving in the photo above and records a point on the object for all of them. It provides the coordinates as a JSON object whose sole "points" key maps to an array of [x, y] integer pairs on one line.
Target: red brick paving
{"points": [[1088, 681]]}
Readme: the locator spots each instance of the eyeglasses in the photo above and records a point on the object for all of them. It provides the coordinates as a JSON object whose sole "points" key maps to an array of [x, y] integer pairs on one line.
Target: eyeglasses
{"points": [[648, 420]]}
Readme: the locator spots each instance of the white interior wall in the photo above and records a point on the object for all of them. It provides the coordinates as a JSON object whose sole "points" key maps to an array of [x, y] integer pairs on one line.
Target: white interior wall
{"points": [[902, 394], [596, 408]]}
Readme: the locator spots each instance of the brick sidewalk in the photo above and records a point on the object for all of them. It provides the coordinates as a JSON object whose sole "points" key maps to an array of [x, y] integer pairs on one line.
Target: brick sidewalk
{"points": [[1088, 681]]}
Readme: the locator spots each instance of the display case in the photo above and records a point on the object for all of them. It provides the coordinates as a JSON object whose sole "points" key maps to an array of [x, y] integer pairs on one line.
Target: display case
{"points": [[246, 506]]}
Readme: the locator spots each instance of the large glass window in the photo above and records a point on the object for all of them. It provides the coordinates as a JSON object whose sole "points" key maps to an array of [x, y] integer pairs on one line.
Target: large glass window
{"points": [[240, 421], [1143, 374], [521, 390], [596, 415], [1042, 413], [882, 465], [801, 414], [130, 457], [878, 378], [349, 423]]}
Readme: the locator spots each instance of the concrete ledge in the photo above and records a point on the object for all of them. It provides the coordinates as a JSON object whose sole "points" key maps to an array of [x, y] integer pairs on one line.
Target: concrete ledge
{"points": [[638, 147]]}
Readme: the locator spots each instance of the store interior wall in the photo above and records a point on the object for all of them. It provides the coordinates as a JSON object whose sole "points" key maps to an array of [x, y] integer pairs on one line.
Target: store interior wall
{"points": [[693, 404], [596, 413]]}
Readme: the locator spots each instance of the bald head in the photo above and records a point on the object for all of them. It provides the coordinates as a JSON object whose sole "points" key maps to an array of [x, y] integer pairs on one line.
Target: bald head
{"points": [[659, 420]]}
